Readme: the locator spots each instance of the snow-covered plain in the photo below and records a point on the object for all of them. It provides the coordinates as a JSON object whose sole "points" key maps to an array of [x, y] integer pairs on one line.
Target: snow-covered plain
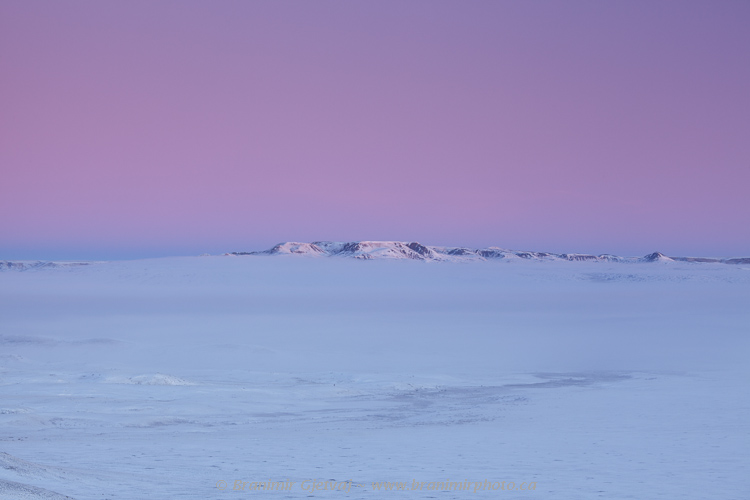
{"points": [[162, 378]]}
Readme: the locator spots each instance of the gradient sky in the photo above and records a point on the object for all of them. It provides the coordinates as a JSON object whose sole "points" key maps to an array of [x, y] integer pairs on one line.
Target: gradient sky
{"points": [[148, 128]]}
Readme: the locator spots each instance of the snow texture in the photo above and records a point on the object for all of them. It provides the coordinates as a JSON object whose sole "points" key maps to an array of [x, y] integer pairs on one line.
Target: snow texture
{"points": [[161, 378]]}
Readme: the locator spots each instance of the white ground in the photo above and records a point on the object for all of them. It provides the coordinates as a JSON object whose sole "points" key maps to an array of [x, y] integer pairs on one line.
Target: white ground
{"points": [[160, 378]]}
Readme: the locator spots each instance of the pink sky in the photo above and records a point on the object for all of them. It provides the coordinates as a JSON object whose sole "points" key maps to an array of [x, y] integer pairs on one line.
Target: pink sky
{"points": [[179, 127]]}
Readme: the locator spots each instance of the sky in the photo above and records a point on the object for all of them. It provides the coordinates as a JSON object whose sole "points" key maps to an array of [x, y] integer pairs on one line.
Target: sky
{"points": [[138, 128]]}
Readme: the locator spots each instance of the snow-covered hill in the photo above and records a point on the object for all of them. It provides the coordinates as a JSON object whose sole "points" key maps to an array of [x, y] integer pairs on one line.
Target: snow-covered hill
{"points": [[417, 251], [25, 265], [400, 250]]}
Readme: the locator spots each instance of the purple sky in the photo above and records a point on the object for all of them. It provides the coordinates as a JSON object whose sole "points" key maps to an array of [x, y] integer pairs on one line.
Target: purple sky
{"points": [[138, 128]]}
